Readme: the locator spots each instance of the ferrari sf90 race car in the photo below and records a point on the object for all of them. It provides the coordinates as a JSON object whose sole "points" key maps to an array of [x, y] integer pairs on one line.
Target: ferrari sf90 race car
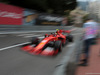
{"points": [[50, 45]]}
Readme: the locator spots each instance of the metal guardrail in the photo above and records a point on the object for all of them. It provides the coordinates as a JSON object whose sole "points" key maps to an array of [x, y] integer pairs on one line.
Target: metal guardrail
{"points": [[7, 27], [18, 29]]}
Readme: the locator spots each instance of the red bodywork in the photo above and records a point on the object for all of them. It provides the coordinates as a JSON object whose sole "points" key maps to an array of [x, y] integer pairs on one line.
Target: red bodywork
{"points": [[48, 51]]}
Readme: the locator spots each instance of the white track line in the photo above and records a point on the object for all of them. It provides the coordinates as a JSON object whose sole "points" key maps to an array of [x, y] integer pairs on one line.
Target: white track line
{"points": [[13, 32], [41, 37], [71, 45], [32, 36], [25, 34], [13, 46], [16, 45]]}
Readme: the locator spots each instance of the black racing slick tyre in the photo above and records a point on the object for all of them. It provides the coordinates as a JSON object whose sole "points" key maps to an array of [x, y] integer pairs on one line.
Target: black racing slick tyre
{"points": [[69, 38], [34, 40], [58, 45]]}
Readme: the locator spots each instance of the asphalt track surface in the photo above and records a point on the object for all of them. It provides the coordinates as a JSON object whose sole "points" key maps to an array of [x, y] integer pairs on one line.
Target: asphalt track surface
{"points": [[14, 61]]}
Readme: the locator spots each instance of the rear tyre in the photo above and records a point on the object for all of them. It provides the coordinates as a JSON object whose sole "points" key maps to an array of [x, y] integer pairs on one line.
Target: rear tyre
{"points": [[69, 38]]}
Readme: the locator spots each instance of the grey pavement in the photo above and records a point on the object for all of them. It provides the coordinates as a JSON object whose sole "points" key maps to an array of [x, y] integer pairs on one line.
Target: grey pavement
{"points": [[13, 61]]}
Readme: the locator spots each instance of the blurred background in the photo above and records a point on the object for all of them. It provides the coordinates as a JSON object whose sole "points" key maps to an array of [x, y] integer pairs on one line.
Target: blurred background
{"points": [[47, 12], [21, 20]]}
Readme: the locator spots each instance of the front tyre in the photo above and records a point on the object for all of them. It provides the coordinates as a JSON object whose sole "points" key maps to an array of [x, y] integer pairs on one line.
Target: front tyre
{"points": [[34, 40], [58, 45]]}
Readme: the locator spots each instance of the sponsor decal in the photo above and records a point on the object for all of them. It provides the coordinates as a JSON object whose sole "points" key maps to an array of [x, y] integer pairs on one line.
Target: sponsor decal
{"points": [[10, 15]]}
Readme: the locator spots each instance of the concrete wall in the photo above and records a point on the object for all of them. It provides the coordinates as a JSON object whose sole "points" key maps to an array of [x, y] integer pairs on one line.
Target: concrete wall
{"points": [[70, 60]]}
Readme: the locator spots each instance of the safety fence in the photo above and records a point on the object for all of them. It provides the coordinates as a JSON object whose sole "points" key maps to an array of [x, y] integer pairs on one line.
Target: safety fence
{"points": [[16, 29]]}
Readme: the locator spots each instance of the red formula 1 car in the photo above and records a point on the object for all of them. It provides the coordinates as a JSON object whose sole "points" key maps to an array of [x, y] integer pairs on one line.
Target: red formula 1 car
{"points": [[50, 45]]}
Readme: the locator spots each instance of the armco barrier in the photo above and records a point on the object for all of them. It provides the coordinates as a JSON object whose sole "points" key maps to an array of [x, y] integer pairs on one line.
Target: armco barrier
{"points": [[68, 64], [12, 28], [7, 27]]}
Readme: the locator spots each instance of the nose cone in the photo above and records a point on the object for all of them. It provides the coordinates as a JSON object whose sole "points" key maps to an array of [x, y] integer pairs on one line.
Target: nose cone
{"points": [[48, 52], [35, 51]]}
